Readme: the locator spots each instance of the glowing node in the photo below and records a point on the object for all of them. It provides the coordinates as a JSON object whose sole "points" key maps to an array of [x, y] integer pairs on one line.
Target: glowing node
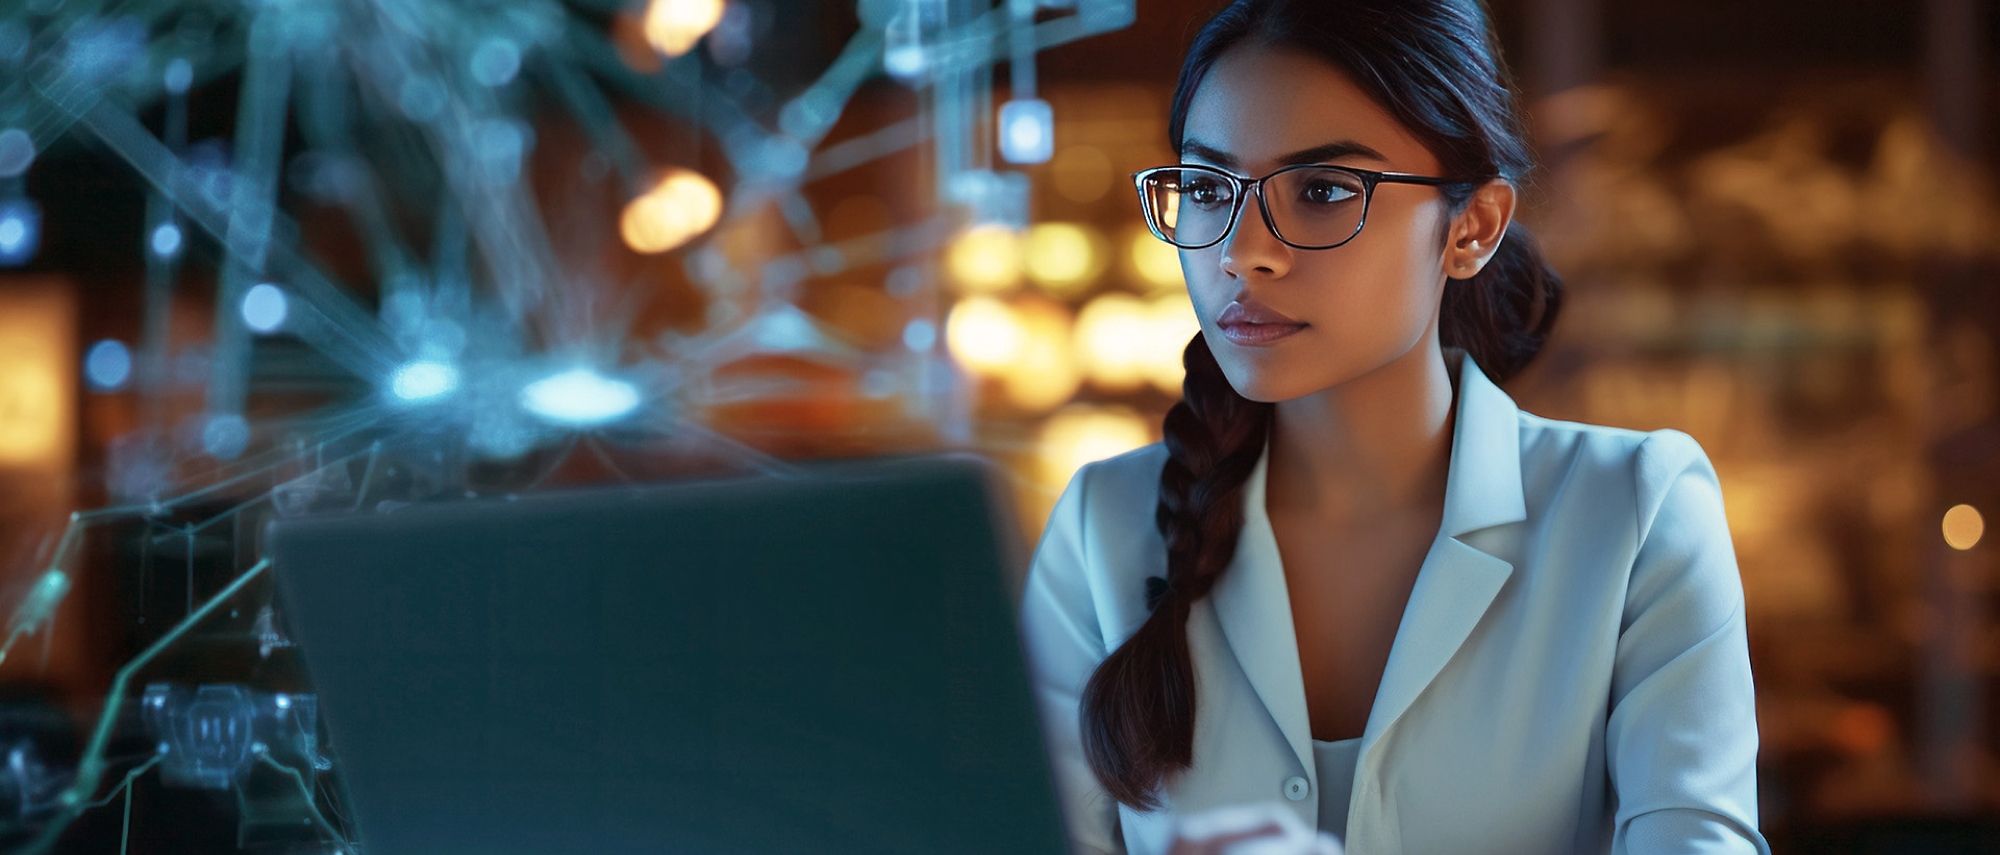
{"points": [[1963, 527], [674, 26], [580, 397], [20, 231], [178, 76], [107, 365], [985, 259], [903, 62], [17, 152], [265, 307], [496, 62], [920, 335], [166, 240], [683, 205], [1062, 258], [224, 437], [1027, 131], [423, 380]]}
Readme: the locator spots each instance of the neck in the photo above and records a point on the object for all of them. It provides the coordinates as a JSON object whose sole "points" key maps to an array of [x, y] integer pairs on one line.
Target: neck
{"points": [[1374, 445]]}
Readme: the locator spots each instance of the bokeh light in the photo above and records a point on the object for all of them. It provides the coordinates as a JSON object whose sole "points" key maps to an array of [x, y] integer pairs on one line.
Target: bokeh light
{"points": [[1043, 373], [265, 307], [423, 380], [680, 207], [983, 334], [985, 259], [166, 240], [1082, 433], [1063, 258], [580, 397], [1963, 527], [108, 365], [674, 26], [1155, 262], [1112, 335]]}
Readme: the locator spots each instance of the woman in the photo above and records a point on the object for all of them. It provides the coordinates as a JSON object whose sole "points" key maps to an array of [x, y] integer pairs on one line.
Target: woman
{"points": [[1355, 579]]}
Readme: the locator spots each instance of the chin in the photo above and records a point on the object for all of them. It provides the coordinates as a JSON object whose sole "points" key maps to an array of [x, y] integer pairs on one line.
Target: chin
{"points": [[1263, 383]]}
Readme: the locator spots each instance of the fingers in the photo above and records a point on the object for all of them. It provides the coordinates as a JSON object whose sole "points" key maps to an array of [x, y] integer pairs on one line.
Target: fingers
{"points": [[1264, 828]]}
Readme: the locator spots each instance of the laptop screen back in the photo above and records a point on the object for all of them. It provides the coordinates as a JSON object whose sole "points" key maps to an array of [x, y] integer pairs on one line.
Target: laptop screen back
{"points": [[819, 664]]}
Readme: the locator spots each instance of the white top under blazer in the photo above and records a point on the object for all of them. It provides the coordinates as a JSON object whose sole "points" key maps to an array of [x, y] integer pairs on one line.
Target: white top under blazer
{"points": [[1571, 673]]}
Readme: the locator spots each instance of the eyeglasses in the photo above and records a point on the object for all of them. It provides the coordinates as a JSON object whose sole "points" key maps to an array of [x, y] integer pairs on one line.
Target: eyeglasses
{"points": [[1307, 205]]}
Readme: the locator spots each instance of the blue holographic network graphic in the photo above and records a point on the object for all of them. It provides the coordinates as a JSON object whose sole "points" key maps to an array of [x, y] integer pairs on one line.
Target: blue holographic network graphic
{"points": [[457, 350]]}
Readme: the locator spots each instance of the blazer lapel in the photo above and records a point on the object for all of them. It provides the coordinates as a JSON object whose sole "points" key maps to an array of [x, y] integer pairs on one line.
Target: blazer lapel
{"points": [[1453, 590], [1457, 582], [1254, 608]]}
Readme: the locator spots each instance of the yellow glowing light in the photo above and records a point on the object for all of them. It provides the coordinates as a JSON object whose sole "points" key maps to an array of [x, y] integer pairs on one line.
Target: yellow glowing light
{"points": [[37, 393], [1156, 261], [1112, 337], [1043, 372], [984, 335], [1062, 258], [1174, 324], [1079, 434], [985, 259], [683, 205], [673, 26], [1963, 526]]}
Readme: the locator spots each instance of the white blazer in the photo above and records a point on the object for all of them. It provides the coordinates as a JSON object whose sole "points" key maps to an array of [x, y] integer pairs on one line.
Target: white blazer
{"points": [[1571, 673]]}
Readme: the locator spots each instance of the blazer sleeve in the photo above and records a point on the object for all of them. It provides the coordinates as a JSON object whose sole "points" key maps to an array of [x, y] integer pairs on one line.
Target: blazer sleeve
{"points": [[1063, 643], [1681, 740]]}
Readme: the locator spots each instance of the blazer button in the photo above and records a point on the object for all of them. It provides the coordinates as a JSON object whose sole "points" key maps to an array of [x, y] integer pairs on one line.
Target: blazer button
{"points": [[1296, 788]]}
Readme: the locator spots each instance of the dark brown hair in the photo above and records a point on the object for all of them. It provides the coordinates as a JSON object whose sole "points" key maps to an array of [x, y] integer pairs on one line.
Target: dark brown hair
{"points": [[1433, 65]]}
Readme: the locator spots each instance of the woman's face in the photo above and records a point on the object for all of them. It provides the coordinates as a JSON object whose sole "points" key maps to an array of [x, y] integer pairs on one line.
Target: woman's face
{"points": [[1334, 314]]}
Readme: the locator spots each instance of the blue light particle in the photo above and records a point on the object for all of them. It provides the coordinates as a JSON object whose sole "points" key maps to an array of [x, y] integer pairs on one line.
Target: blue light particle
{"points": [[107, 365], [920, 335], [20, 231], [1027, 131], [423, 381], [264, 307], [580, 397], [166, 240], [17, 152], [178, 77], [496, 62], [224, 437]]}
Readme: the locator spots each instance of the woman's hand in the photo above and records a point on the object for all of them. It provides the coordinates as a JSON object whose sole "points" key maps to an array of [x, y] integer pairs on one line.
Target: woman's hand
{"points": [[1265, 828]]}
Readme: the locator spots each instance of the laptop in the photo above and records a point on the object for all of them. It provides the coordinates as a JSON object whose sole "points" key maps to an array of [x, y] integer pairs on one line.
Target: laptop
{"points": [[819, 663]]}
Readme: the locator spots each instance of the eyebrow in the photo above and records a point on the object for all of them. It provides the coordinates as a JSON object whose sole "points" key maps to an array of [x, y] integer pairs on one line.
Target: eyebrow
{"points": [[1316, 154]]}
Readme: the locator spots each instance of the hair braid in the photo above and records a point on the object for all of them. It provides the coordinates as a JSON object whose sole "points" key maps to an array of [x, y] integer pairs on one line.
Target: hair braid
{"points": [[1138, 708]]}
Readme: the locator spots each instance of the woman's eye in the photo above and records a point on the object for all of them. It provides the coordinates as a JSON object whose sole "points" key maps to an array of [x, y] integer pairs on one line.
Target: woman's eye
{"points": [[1327, 193], [1205, 192]]}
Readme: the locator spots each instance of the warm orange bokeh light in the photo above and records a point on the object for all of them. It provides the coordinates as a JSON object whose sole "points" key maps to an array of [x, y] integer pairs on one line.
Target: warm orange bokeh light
{"points": [[683, 205], [674, 26]]}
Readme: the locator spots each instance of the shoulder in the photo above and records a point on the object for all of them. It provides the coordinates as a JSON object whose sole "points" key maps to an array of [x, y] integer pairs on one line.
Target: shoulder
{"points": [[1102, 533], [1639, 467], [1124, 481]]}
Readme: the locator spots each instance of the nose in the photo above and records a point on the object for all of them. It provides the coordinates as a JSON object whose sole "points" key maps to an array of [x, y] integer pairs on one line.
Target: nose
{"points": [[1254, 248]]}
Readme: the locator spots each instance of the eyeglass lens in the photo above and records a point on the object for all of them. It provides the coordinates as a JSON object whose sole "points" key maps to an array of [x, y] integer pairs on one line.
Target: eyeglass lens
{"points": [[1309, 207]]}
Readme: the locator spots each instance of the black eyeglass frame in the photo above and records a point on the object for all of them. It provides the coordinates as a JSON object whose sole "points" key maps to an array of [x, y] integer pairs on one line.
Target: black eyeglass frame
{"points": [[1244, 186]]}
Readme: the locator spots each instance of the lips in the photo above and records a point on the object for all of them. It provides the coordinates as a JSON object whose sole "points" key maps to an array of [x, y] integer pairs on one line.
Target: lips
{"points": [[1252, 324]]}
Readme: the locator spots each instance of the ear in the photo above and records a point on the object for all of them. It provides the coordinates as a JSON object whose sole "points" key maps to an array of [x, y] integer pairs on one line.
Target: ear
{"points": [[1477, 231]]}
